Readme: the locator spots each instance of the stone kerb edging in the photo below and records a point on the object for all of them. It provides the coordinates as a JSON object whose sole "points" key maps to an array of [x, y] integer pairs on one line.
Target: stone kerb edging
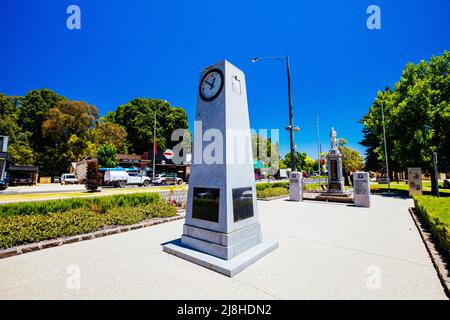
{"points": [[273, 198], [438, 261], [9, 252]]}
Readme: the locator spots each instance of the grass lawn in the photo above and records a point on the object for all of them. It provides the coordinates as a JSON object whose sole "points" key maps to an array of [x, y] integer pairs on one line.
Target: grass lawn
{"points": [[435, 212], [6, 198], [403, 188]]}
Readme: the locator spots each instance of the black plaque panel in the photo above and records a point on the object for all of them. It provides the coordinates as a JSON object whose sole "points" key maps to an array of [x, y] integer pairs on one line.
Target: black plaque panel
{"points": [[334, 186], [242, 203], [205, 204], [333, 167]]}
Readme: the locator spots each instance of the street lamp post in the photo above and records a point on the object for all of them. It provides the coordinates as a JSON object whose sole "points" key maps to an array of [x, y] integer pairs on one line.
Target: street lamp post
{"points": [[291, 127], [318, 146], [154, 139]]}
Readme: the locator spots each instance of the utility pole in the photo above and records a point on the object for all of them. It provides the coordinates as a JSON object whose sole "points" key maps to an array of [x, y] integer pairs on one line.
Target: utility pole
{"points": [[385, 149], [435, 181], [154, 145], [291, 127], [291, 116], [154, 137], [318, 145]]}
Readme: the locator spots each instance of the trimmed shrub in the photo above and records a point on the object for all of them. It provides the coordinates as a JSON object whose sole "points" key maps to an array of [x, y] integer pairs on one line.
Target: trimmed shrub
{"points": [[98, 204], [266, 185], [22, 229], [93, 179], [272, 192], [435, 213]]}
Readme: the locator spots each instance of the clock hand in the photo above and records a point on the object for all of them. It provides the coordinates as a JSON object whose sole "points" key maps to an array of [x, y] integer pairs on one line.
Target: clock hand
{"points": [[210, 85]]}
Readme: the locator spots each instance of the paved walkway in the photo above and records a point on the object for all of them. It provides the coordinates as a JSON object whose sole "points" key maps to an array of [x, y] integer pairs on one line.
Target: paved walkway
{"points": [[327, 251]]}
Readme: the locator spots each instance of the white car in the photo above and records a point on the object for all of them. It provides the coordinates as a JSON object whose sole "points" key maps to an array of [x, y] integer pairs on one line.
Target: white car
{"points": [[163, 179], [69, 178], [137, 179], [159, 179]]}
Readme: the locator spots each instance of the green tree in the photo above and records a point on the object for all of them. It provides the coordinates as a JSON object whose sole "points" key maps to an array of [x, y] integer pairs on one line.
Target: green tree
{"points": [[33, 111], [303, 163], [417, 114], [19, 149], [68, 132], [137, 117], [106, 155], [352, 160], [112, 133], [266, 151]]}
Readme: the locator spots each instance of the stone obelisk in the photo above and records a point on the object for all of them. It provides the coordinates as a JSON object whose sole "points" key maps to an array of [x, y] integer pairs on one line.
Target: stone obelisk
{"points": [[222, 230]]}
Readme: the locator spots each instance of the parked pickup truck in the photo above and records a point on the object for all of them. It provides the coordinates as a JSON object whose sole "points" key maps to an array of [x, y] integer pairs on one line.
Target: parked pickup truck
{"points": [[121, 178]]}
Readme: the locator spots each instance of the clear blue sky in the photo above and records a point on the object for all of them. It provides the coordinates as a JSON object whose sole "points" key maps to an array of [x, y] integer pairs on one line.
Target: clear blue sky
{"points": [[130, 49]]}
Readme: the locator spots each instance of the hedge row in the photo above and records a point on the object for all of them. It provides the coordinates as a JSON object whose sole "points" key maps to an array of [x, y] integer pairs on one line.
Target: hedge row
{"points": [[266, 185], [272, 192], [267, 190], [28, 228], [98, 204], [435, 212]]}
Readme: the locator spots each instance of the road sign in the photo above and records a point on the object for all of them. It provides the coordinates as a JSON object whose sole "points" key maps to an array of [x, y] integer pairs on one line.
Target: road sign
{"points": [[168, 154]]}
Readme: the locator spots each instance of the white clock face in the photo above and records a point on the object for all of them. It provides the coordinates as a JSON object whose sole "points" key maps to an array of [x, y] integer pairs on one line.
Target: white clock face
{"points": [[211, 85]]}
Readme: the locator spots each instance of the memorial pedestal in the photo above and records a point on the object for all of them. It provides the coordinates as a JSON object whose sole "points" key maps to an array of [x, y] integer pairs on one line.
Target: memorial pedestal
{"points": [[361, 189], [334, 163], [296, 186], [222, 230]]}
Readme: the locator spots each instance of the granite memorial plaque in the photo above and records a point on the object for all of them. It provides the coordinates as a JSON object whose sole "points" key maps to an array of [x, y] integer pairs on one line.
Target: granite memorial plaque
{"points": [[415, 181], [296, 186], [361, 189], [222, 230]]}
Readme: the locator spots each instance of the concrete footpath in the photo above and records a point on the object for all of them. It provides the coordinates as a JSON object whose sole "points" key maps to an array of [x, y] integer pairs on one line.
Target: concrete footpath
{"points": [[327, 251]]}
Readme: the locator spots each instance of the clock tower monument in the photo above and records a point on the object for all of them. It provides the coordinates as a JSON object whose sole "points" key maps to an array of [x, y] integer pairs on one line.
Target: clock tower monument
{"points": [[222, 230]]}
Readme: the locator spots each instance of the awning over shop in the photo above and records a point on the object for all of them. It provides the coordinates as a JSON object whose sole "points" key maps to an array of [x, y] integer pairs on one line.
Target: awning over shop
{"points": [[23, 168]]}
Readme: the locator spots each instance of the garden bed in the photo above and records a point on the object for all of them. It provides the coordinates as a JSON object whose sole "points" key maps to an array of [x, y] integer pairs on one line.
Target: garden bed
{"points": [[30, 222], [435, 213], [272, 191]]}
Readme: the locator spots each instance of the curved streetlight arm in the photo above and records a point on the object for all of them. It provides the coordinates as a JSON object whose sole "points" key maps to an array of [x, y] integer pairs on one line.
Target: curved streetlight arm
{"points": [[274, 58]]}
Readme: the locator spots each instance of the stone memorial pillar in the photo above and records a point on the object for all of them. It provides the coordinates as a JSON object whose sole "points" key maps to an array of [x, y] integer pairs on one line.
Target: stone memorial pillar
{"points": [[222, 230], [334, 163], [361, 189], [296, 186], [415, 181]]}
